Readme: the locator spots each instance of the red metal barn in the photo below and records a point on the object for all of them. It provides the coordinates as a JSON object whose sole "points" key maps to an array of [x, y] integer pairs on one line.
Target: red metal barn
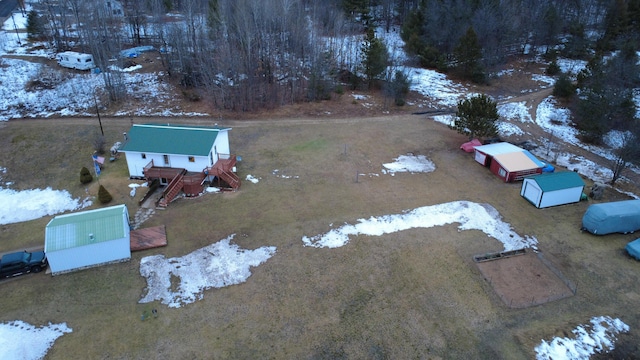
{"points": [[515, 166], [484, 153]]}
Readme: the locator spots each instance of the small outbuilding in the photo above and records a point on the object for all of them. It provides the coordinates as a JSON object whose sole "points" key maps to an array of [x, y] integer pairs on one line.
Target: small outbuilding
{"points": [[515, 166], [552, 189], [87, 239], [612, 217], [485, 153]]}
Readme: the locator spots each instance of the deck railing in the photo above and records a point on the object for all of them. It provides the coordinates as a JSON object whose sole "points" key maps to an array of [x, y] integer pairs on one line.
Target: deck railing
{"points": [[147, 167]]}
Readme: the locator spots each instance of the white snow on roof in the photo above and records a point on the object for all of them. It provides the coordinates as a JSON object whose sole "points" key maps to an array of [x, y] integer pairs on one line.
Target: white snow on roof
{"points": [[469, 215], [498, 148]]}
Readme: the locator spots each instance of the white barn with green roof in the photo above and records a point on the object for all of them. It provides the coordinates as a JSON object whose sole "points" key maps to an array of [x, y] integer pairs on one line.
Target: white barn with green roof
{"points": [[193, 148], [552, 189], [87, 239]]}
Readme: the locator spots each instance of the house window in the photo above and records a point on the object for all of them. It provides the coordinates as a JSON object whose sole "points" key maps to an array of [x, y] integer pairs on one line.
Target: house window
{"points": [[166, 159], [502, 172], [192, 159], [144, 156]]}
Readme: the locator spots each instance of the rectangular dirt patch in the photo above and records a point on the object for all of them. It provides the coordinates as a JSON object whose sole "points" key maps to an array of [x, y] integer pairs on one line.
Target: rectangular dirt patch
{"points": [[525, 280]]}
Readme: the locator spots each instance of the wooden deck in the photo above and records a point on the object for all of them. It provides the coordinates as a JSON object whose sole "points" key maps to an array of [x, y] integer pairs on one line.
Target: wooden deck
{"points": [[168, 173], [148, 238]]}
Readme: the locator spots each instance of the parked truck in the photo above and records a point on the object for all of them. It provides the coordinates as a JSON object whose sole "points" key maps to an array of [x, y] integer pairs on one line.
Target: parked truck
{"points": [[24, 262]]}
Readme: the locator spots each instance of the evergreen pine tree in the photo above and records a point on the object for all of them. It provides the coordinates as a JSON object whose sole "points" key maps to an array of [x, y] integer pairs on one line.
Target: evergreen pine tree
{"points": [[400, 87], [85, 176], [375, 56], [412, 32], [468, 55], [35, 25], [564, 87], [103, 195], [477, 117]]}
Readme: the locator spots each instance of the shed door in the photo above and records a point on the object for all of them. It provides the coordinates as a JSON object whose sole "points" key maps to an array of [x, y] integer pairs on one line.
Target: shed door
{"points": [[481, 158], [532, 193]]}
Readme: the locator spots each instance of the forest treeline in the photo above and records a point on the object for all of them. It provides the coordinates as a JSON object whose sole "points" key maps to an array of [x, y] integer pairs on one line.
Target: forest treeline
{"points": [[251, 54]]}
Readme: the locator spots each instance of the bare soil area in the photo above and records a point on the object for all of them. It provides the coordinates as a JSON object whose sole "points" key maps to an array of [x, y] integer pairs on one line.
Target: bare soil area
{"points": [[412, 294], [525, 280]]}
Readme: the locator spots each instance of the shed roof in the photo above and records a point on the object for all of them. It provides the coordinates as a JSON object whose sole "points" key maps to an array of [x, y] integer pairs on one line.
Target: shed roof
{"points": [[534, 158], [498, 148], [172, 139], [558, 181], [516, 161], [74, 230]]}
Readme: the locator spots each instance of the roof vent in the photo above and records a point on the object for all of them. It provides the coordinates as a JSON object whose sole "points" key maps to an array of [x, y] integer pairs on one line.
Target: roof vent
{"points": [[91, 237]]}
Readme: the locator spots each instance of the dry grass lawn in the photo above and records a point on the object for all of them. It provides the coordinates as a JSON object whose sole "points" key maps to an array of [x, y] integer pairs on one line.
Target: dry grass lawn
{"points": [[414, 294]]}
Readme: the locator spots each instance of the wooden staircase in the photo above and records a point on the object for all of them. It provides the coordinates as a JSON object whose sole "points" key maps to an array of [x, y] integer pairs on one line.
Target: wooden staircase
{"points": [[223, 169], [230, 178], [174, 187]]}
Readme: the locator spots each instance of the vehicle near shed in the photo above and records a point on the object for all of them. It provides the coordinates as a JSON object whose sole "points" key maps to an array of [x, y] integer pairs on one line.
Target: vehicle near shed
{"points": [[612, 217], [75, 60], [633, 249], [24, 262]]}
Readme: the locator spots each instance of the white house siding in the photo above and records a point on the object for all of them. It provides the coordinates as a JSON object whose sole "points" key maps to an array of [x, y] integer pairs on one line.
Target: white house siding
{"points": [[87, 256], [182, 161], [222, 142], [136, 163]]}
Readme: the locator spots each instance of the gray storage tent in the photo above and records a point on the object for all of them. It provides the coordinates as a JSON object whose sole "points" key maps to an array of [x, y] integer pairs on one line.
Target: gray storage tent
{"points": [[612, 217]]}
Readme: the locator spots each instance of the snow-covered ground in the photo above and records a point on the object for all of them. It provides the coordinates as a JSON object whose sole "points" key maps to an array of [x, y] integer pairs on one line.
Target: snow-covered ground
{"points": [[19, 340], [222, 263], [469, 215], [217, 265], [597, 337]]}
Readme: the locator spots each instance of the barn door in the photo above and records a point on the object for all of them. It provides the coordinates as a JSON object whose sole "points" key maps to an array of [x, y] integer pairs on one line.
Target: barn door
{"points": [[532, 194]]}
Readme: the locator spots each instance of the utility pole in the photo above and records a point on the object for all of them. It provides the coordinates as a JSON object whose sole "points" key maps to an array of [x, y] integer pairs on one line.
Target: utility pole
{"points": [[16, 29], [95, 100]]}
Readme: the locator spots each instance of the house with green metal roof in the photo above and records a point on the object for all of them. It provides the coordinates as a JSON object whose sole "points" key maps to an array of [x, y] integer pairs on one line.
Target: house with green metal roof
{"points": [[193, 148], [87, 239], [552, 189]]}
